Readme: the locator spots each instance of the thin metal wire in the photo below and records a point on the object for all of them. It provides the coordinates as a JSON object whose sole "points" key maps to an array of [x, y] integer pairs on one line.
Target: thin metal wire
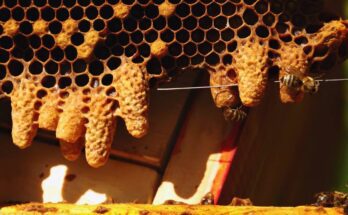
{"points": [[235, 85]]}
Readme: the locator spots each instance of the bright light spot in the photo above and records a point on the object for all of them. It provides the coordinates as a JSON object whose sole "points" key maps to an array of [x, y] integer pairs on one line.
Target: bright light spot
{"points": [[167, 191], [52, 186], [91, 198]]}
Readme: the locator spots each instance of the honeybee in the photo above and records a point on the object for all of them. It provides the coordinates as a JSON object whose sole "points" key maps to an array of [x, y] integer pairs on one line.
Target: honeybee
{"points": [[306, 85], [234, 114]]}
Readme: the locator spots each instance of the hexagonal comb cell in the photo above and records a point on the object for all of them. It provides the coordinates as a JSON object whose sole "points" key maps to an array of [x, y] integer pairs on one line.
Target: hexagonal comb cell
{"points": [[74, 66]]}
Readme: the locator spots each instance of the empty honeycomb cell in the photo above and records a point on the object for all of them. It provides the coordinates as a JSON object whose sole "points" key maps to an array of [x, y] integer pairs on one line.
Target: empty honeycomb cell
{"points": [[197, 59], [7, 87], [250, 17], [6, 42], [99, 2], [77, 39], [198, 9], [197, 35], [249, 2], [205, 22], [10, 3], [15, 67], [82, 80], [262, 31], [130, 50], [227, 35], [129, 24], [244, 32], [96, 67], [28, 54], [212, 59], [232, 46], [65, 68], [83, 3], [55, 27], [227, 59], [159, 23], [85, 25], [174, 23], [24, 3], [190, 23], [18, 14], [76, 13], [137, 37], [269, 19], [137, 11], [213, 9], [144, 24], [3, 72], [183, 61], [190, 49], [57, 54], [64, 82], [151, 36], [286, 37], [107, 79], [51, 67], [40, 3], [205, 48], [4, 56], [182, 10], [101, 52], [167, 36], [106, 12], [144, 50], [48, 41], [220, 22], [42, 54], [228, 9], [99, 25], [117, 50], [32, 14], [35, 67], [70, 53], [5, 14], [213, 35], [236, 21], [261, 7], [62, 14], [92, 12], [79, 66], [182, 36], [47, 14], [48, 81], [219, 47]]}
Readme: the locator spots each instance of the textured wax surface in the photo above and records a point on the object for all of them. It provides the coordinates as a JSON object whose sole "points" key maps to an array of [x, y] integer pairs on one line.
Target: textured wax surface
{"points": [[73, 66]]}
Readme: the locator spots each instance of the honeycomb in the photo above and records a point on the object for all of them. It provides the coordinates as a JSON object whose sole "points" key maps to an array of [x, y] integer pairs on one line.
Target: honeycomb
{"points": [[73, 66]]}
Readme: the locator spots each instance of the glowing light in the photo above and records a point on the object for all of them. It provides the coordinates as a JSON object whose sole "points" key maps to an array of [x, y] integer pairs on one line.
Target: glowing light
{"points": [[91, 197], [52, 186]]}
